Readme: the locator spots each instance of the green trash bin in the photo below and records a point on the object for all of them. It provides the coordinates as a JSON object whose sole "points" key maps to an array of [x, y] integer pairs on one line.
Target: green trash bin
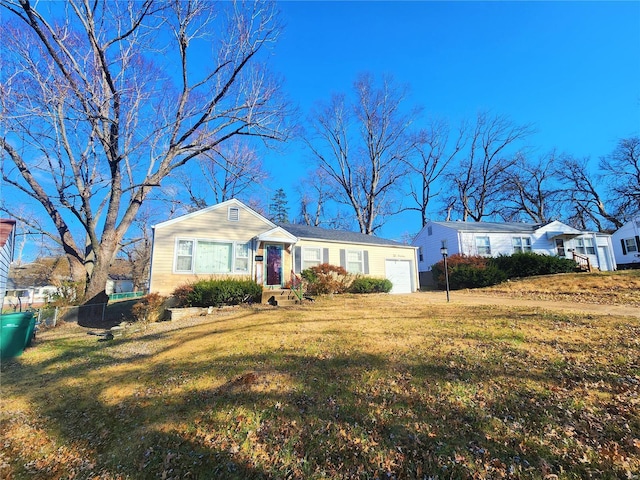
{"points": [[31, 331], [16, 331]]}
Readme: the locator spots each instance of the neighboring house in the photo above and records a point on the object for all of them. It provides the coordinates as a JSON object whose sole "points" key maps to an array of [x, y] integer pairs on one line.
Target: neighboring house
{"points": [[626, 244], [7, 242], [231, 239], [117, 283], [19, 297], [493, 239]]}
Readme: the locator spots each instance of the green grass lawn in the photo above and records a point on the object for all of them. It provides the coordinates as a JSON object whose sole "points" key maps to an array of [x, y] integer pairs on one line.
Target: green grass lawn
{"points": [[347, 387]]}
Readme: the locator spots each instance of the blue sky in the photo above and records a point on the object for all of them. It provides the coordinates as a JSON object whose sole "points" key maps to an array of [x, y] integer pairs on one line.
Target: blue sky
{"points": [[572, 69]]}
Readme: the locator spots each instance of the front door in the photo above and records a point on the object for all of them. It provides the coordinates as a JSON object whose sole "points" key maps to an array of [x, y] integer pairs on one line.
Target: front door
{"points": [[560, 247], [274, 265]]}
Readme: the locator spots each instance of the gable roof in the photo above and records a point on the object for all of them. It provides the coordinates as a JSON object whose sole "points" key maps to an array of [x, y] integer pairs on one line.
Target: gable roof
{"points": [[278, 234], [229, 203], [553, 228], [308, 232], [491, 227]]}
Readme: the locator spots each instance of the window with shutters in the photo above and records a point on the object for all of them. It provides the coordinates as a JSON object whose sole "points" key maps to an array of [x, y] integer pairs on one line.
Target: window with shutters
{"points": [[630, 244], [311, 257], [355, 261]]}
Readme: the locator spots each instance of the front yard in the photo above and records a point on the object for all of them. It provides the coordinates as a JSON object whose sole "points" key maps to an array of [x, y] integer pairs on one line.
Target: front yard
{"points": [[373, 386]]}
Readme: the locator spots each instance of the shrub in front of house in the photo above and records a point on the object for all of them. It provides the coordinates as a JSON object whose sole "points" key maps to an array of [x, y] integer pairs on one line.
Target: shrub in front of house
{"points": [[149, 308], [217, 292], [325, 279], [469, 276], [528, 264], [370, 285], [468, 272]]}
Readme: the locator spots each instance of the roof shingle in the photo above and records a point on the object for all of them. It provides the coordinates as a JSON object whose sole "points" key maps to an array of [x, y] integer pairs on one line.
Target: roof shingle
{"points": [[316, 233]]}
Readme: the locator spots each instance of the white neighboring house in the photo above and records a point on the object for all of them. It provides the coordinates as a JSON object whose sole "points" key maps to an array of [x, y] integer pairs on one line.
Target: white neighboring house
{"points": [[492, 239], [626, 244], [7, 241], [20, 297], [118, 284]]}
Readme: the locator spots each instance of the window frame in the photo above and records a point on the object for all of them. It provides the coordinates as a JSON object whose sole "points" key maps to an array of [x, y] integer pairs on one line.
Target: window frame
{"points": [[177, 255], [347, 261], [633, 245], [483, 249], [304, 263], [584, 246], [233, 256], [237, 256], [523, 247]]}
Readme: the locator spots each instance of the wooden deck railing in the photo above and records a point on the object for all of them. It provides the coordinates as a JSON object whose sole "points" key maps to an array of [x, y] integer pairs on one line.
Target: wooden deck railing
{"points": [[584, 264]]}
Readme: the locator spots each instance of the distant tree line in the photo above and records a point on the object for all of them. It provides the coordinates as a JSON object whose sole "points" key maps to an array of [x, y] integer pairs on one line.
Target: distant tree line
{"points": [[375, 159]]}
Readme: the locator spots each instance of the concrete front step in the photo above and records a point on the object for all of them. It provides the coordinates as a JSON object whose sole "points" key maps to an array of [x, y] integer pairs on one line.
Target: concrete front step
{"points": [[279, 297]]}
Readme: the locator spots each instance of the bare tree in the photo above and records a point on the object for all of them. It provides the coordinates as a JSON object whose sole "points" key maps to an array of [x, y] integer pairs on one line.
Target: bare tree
{"points": [[232, 171], [434, 157], [584, 196], [137, 249], [104, 99], [363, 148], [314, 192], [531, 191], [621, 173], [483, 173]]}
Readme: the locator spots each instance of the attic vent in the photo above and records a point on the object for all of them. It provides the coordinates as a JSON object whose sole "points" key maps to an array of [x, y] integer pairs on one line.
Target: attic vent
{"points": [[234, 214]]}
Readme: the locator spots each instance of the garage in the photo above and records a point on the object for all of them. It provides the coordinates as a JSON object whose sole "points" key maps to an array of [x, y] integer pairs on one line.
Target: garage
{"points": [[399, 272]]}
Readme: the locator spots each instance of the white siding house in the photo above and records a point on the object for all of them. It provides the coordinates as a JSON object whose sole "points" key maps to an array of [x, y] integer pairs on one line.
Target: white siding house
{"points": [[626, 244], [494, 239], [7, 240]]}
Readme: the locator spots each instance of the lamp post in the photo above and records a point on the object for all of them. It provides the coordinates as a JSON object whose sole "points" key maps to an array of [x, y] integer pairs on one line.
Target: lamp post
{"points": [[445, 253]]}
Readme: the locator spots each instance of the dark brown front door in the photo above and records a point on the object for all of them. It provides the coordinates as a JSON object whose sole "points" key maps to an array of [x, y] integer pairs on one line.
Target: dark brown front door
{"points": [[274, 265]]}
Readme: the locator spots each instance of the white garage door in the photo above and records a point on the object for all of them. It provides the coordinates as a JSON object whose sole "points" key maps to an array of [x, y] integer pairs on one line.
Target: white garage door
{"points": [[399, 272]]}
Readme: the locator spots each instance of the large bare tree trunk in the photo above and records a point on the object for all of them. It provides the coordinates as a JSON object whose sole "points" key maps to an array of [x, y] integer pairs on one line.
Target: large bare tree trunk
{"points": [[109, 98]]}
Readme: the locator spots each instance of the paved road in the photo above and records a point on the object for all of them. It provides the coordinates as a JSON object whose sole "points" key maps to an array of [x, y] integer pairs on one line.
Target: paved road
{"points": [[465, 297]]}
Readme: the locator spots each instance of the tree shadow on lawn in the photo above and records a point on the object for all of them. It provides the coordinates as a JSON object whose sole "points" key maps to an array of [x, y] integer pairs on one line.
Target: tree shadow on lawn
{"points": [[346, 415]]}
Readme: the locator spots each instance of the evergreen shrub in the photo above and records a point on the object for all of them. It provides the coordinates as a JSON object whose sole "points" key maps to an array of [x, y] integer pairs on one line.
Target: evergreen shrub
{"points": [[370, 285], [218, 292], [528, 264], [468, 272]]}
